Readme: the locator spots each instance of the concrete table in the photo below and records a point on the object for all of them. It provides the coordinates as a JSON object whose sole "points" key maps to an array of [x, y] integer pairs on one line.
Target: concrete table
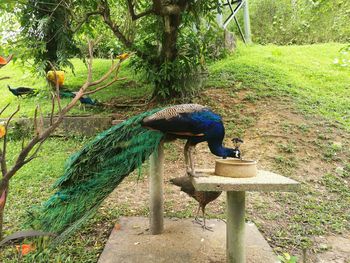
{"points": [[236, 187]]}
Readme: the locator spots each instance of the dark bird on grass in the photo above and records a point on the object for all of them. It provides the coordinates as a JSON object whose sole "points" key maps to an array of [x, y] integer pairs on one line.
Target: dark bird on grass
{"points": [[202, 197], [101, 165], [88, 101], [67, 94], [20, 91], [83, 100]]}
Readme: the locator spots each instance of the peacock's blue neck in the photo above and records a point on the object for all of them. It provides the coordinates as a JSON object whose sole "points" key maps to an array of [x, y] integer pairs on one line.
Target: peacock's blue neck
{"points": [[218, 149]]}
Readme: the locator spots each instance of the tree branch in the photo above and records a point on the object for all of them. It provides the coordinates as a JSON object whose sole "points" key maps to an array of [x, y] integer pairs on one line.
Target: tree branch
{"points": [[4, 146], [106, 14], [40, 137], [57, 86], [86, 19], [34, 155], [1, 112], [102, 87], [9, 58], [137, 16]]}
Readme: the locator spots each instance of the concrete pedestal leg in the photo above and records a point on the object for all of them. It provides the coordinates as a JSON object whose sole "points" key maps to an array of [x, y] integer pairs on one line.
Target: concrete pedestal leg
{"points": [[156, 190], [235, 239]]}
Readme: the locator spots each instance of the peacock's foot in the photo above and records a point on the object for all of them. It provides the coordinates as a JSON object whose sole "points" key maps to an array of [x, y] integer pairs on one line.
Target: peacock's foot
{"points": [[198, 221], [191, 173], [205, 227]]}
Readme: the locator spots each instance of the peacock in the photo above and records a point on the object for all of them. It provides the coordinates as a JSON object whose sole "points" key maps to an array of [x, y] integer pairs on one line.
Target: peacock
{"points": [[97, 169], [20, 91], [202, 197], [83, 100]]}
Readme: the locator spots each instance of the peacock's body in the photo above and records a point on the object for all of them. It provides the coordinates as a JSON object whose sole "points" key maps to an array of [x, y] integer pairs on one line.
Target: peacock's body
{"points": [[96, 170], [20, 91]]}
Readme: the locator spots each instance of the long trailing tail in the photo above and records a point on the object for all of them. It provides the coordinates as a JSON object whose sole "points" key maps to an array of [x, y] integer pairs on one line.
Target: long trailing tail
{"points": [[93, 173]]}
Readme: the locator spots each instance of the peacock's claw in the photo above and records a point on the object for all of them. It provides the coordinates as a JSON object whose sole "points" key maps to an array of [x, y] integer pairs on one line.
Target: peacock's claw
{"points": [[198, 221], [207, 228]]}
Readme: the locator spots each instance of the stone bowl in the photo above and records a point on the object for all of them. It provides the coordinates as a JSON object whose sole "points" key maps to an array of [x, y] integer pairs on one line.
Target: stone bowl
{"points": [[235, 168]]}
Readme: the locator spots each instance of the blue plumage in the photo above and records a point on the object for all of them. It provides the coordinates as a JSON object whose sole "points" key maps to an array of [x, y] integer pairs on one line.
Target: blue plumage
{"points": [[195, 123], [95, 171], [87, 100]]}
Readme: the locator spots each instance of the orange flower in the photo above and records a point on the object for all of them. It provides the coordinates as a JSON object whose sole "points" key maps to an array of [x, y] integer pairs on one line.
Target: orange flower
{"points": [[3, 61], [25, 249], [123, 56], [2, 130]]}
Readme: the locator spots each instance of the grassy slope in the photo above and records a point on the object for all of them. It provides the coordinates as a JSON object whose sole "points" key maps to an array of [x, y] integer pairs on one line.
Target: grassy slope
{"points": [[307, 73], [121, 89], [266, 71]]}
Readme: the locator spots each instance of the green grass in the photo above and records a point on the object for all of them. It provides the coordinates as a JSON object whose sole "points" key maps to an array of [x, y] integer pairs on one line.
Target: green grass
{"points": [[306, 73], [131, 88]]}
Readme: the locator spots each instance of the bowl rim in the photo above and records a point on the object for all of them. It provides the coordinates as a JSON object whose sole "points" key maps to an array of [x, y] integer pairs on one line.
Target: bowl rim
{"points": [[236, 162]]}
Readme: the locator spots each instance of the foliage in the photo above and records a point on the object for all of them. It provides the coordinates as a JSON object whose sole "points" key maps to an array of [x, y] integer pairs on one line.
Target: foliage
{"points": [[166, 38], [46, 32], [286, 258], [183, 75], [300, 22]]}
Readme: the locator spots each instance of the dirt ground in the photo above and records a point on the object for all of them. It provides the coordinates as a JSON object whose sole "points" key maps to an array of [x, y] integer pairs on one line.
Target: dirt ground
{"points": [[283, 140]]}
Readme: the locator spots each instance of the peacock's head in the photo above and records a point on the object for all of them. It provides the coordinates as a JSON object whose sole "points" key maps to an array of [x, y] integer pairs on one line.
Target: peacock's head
{"points": [[235, 153]]}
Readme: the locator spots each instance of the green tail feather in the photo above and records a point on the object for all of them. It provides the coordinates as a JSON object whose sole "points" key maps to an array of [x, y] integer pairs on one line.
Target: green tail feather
{"points": [[94, 172]]}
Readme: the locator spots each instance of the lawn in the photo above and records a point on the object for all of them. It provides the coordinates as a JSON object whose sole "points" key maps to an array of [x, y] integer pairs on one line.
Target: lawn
{"points": [[132, 88], [307, 73], [296, 90]]}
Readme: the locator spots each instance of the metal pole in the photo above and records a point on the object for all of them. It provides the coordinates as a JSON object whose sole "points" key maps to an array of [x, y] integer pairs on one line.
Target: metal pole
{"points": [[235, 228], [156, 190], [247, 31], [219, 15]]}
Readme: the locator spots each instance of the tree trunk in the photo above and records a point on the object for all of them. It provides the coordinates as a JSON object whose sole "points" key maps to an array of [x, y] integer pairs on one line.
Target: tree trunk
{"points": [[2, 209], [171, 28], [169, 53]]}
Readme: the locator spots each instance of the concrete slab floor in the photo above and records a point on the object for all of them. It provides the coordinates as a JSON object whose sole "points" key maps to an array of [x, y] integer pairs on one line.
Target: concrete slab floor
{"points": [[182, 242]]}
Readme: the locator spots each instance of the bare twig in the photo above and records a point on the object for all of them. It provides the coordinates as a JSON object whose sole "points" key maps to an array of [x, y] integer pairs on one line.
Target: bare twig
{"points": [[34, 155], [23, 141], [52, 107], [4, 108], [8, 59], [4, 146], [36, 121], [57, 86], [43, 134], [91, 51], [103, 87]]}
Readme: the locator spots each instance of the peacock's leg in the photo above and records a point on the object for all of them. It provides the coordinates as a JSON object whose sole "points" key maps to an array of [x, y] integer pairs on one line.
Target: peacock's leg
{"points": [[196, 219], [205, 227], [186, 154], [191, 160], [188, 158]]}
